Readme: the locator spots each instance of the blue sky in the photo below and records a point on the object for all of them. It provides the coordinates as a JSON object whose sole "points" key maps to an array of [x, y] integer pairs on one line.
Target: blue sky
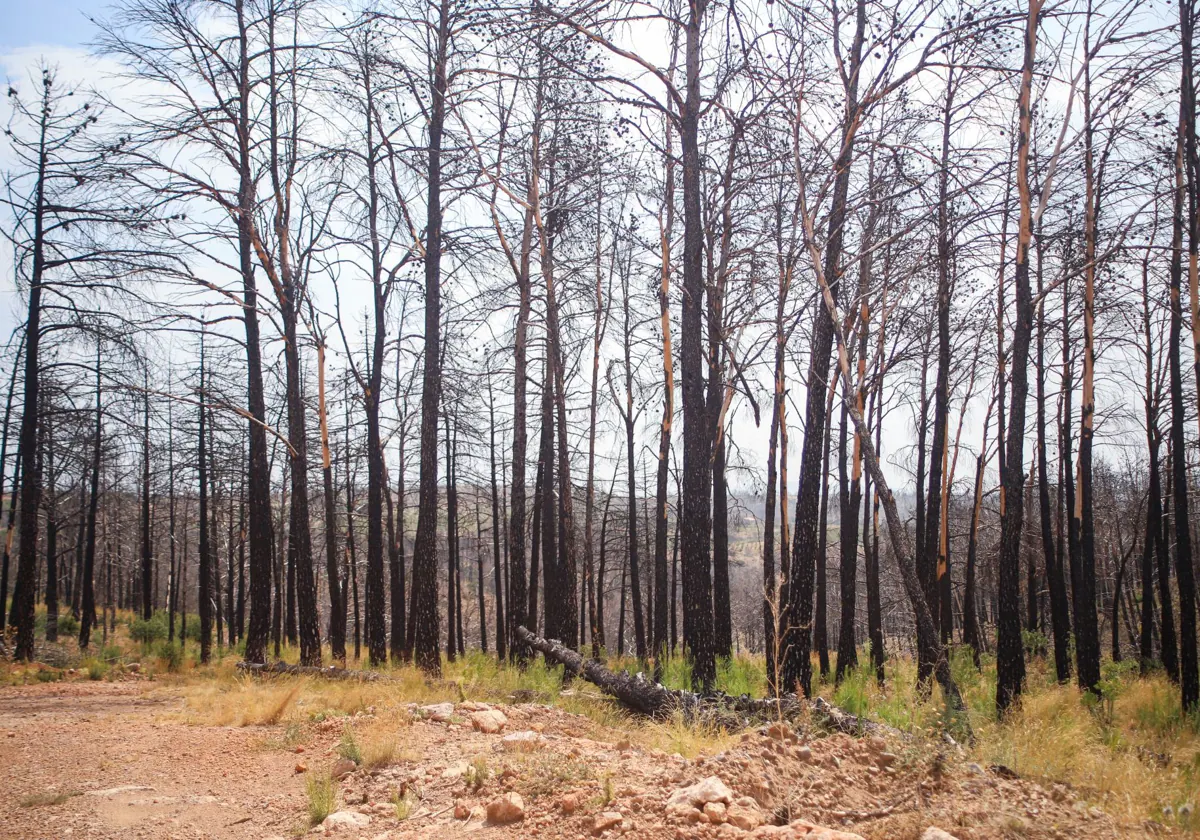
{"points": [[58, 30], [31, 23]]}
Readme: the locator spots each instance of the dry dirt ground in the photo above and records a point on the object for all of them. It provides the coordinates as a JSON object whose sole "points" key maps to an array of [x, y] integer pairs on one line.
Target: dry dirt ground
{"points": [[124, 765]]}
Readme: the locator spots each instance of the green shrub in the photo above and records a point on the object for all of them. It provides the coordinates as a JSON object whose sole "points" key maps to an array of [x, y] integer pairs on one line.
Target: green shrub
{"points": [[148, 630], [96, 670], [68, 626], [1034, 642], [170, 655]]}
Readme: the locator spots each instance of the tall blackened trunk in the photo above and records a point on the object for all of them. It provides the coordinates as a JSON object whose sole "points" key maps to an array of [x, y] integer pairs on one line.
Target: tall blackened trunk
{"points": [[631, 531], [659, 634], [479, 578], [874, 597], [337, 610], [497, 573], [453, 602], [849, 498], [517, 594], [1060, 617], [401, 647], [1180, 504], [697, 582], [1010, 661], [51, 505], [1156, 557], [204, 575], [1189, 677], [797, 670], [12, 498], [22, 615], [147, 570], [821, 619], [87, 617], [1087, 640], [424, 582], [372, 396], [547, 511], [561, 603], [771, 605], [935, 561], [259, 474], [722, 621]]}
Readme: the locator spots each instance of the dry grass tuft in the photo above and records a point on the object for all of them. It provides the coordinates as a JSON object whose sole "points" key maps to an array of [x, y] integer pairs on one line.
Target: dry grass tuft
{"points": [[274, 711], [678, 735], [1141, 760], [47, 798]]}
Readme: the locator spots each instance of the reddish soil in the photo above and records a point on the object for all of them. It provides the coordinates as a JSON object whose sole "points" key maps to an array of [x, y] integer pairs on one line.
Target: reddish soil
{"points": [[126, 770]]}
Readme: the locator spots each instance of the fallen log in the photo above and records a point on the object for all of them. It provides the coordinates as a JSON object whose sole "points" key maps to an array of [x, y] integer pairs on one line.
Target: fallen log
{"points": [[646, 697]]}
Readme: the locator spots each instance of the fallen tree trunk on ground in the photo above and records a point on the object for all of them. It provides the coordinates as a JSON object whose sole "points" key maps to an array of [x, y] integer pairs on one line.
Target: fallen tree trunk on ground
{"points": [[646, 697]]}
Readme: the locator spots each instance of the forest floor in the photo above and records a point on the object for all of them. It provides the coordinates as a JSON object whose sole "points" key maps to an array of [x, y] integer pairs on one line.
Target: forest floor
{"points": [[217, 755]]}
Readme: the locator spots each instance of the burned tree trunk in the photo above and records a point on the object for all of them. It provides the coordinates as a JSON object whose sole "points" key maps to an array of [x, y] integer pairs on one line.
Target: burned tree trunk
{"points": [[424, 576]]}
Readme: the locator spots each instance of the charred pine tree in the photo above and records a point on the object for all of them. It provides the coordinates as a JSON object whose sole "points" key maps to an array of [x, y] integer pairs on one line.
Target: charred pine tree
{"points": [[204, 572], [797, 667], [1156, 557], [52, 527], [821, 618], [87, 617], [666, 223], [400, 647], [934, 562], [12, 497], [453, 601], [517, 589], [337, 610], [147, 567], [1060, 617], [1087, 641], [1010, 661], [698, 631], [498, 588], [631, 529], [424, 577], [1189, 677]]}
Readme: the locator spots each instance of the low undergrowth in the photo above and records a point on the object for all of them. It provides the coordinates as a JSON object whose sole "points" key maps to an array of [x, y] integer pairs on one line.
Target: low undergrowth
{"points": [[1130, 752]]}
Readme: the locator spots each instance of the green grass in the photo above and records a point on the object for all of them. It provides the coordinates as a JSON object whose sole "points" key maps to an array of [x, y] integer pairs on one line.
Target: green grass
{"points": [[403, 805], [478, 772], [348, 746], [322, 797]]}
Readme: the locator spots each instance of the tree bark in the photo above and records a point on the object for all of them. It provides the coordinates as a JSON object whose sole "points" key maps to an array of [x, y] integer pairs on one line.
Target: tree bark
{"points": [[698, 631], [1010, 662], [424, 582], [1189, 677], [797, 667]]}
